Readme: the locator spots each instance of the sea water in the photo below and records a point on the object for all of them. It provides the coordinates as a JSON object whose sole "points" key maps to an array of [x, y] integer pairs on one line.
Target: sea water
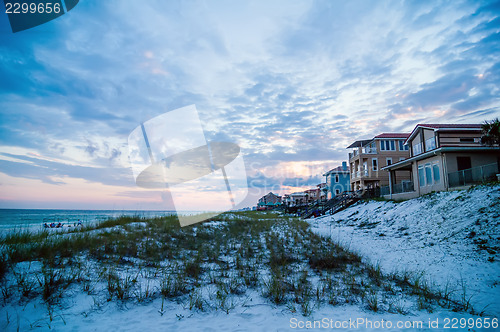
{"points": [[24, 218]]}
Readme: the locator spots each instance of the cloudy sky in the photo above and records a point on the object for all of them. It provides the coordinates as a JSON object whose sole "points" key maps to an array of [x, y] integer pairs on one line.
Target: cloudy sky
{"points": [[291, 82]]}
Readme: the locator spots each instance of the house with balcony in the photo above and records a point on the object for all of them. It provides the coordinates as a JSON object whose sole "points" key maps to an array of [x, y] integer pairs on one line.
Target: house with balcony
{"points": [[369, 156], [337, 180], [442, 157]]}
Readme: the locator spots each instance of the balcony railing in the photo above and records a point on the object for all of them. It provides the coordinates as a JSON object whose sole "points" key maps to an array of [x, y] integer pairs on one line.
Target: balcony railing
{"points": [[473, 175], [403, 187], [370, 150], [361, 173]]}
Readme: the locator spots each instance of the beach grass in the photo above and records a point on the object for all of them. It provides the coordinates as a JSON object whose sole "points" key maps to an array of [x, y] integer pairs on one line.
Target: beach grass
{"points": [[208, 266]]}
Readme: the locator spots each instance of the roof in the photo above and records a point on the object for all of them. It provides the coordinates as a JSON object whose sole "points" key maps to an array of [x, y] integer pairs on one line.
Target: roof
{"points": [[444, 126], [393, 135], [271, 194], [359, 143], [363, 142], [300, 193], [450, 125], [338, 169]]}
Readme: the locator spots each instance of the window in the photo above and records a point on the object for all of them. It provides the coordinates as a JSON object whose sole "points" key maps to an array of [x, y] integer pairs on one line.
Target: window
{"points": [[336, 178], [403, 147], [430, 144], [374, 164], [428, 174], [417, 149], [389, 161], [421, 177], [401, 158], [435, 172], [387, 145], [337, 191]]}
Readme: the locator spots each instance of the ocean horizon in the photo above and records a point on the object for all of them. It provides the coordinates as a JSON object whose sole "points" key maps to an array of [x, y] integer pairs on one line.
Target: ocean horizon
{"points": [[21, 218]]}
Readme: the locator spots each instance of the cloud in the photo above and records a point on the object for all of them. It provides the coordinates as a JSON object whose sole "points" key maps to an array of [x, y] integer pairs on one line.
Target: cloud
{"points": [[289, 81], [47, 171]]}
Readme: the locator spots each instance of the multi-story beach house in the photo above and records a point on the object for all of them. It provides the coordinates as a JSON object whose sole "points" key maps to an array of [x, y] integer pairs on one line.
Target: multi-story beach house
{"points": [[337, 180], [443, 156], [369, 156]]}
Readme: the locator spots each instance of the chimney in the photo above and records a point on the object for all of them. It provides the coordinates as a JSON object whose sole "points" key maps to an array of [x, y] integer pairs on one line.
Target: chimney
{"points": [[344, 166]]}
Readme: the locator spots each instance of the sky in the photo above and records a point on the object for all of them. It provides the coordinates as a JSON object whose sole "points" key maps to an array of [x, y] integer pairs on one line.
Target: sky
{"points": [[292, 83]]}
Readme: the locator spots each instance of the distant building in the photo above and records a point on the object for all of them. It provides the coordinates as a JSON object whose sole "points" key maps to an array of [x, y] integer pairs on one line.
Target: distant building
{"points": [[312, 195], [337, 180], [298, 199], [369, 156], [269, 201], [322, 191], [443, 156]]}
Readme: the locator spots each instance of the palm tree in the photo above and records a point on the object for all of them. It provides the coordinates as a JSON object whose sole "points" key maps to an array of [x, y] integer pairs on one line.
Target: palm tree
{"points": [[491, 132]]}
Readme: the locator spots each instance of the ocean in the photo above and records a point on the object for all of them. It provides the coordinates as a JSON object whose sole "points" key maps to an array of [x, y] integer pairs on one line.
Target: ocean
{"points": [[22, 218]]}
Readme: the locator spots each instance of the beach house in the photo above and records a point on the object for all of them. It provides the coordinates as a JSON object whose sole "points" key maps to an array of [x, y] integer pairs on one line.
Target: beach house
{"points": [[442, 157], [269, 201], [369, 156], [337, 180]]}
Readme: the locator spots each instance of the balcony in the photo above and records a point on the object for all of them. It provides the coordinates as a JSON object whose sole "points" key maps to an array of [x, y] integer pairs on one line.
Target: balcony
{"points": [[353, 154], [360, 151], [403, 187], [370, 150], [360, 174]]}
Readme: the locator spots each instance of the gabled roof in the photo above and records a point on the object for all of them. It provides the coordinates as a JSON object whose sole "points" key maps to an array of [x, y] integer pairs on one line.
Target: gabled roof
{"points": [[271, 194], [444, 126], [393, 135]]}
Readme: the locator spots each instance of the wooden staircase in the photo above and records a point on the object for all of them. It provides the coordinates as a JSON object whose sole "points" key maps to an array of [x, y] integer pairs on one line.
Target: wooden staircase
{"points": [[333, 205]]}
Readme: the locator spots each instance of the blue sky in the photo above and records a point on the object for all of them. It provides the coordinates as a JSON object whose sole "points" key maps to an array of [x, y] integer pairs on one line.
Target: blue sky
{"points": [[292, 82]]}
